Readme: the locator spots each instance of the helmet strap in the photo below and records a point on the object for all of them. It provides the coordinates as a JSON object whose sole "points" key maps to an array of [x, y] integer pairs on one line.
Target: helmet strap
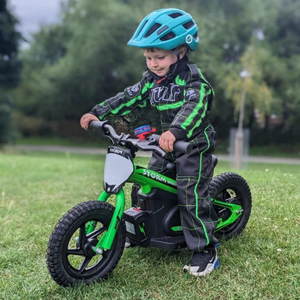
{"points": [[176, 52]]}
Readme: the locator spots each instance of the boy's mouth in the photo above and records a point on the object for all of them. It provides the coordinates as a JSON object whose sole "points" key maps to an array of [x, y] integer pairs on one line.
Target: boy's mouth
{"points": [[157, 71]]}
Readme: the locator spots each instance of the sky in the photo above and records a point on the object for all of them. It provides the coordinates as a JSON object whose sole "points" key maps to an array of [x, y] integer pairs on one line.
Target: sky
{"points": [[33, 13]]}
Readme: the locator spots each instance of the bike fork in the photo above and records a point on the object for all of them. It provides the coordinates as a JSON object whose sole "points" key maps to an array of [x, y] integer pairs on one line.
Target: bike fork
{"points": [[107, 239]]}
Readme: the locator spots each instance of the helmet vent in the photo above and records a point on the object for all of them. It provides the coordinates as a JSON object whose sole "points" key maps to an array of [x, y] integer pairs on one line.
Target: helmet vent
{"points": [[162, 29], [152, 29], [195, 35], [175, 15], [167, 36], [188, 25], [143, 27]]}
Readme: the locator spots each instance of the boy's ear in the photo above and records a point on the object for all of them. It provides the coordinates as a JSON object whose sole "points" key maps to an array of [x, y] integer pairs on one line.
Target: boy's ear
{"points": [[182, 52]]}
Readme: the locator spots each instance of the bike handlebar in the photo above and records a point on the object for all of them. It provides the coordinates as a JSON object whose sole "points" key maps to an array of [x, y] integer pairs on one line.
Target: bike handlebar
{"points": [[179, 146], [150, 144]]}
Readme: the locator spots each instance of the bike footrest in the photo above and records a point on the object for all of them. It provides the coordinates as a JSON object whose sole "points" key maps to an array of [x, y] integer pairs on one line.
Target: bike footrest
{"points": [[168, 242]]}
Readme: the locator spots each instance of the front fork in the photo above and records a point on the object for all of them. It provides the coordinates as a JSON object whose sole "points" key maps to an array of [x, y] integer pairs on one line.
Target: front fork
{"points": [[107, 239]]}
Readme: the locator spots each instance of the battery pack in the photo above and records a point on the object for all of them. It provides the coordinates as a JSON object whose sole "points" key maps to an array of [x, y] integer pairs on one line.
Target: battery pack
{"points": [[137, 226]]}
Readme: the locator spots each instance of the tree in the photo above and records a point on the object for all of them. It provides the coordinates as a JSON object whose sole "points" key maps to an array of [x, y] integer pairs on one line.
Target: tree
{"points": [[83, 59], [9, 68]]}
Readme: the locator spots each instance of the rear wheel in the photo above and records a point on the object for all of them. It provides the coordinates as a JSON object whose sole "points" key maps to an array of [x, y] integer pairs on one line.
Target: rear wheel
{"points": [[70, 256], [231, 188]]}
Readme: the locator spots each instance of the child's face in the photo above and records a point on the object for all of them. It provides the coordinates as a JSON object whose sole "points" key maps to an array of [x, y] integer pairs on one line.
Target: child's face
{"points": [[159, 60]]}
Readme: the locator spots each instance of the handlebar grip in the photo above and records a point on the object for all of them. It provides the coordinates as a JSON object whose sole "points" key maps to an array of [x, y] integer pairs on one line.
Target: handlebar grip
{"points": [[96, 124], [107, 129], [183, 147], [179, 146]]}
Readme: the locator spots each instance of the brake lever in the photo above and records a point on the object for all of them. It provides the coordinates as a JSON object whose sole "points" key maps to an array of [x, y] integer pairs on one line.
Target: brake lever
{"points": [[154, 139], [146, 146]]}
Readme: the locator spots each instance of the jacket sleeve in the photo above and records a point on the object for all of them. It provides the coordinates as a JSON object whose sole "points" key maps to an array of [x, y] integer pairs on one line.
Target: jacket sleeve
{"points": [[193, 114], [123, 103]]}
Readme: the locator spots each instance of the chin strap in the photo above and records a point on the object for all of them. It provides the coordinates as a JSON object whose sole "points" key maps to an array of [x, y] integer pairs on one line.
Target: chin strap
{"points": [[173, 67], [176, 53]]}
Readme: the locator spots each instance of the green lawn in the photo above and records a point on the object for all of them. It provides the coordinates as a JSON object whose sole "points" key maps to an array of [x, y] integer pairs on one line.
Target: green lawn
{"points": [[75, 142], [291, 151], [36, 189]]}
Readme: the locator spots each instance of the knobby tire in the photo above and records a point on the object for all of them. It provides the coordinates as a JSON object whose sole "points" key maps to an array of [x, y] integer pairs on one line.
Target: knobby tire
{"points": [[70, 258], [232, 188]]}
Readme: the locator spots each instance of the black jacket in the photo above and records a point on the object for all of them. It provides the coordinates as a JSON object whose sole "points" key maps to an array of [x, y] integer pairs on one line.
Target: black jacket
{"points": [[183, 98]]}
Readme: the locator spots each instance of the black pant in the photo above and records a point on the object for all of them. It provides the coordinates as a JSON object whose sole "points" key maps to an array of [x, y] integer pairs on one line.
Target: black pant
{"points": [[194, 172]]}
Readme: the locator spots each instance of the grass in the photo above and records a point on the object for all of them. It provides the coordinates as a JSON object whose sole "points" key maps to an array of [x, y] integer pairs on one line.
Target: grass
{"points": [[284, 150], [276, 151], [75, 142], [36, 189]]}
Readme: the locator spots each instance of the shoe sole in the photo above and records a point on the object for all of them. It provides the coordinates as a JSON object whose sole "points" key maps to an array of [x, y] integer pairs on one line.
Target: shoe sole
{"points": [[209, 269]]}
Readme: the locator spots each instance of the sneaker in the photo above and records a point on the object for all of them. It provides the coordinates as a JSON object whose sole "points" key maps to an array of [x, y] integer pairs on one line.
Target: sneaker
{"points": [[202, 263]]}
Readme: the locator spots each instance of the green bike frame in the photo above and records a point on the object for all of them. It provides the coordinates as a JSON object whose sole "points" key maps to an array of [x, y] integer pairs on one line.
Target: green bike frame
{"points": [[149, 179]]}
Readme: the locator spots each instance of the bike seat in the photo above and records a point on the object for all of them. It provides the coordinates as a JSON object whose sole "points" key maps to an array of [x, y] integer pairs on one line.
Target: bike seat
{"points": [[214, 160], [171, 165]]}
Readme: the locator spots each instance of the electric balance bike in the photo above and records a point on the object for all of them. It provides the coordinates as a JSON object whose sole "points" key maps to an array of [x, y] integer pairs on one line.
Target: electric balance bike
{"points": [[88, 241]]}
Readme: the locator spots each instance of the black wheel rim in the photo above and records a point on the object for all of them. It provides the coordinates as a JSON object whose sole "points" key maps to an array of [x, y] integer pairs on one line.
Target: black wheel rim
{"points": [[78, 257]]}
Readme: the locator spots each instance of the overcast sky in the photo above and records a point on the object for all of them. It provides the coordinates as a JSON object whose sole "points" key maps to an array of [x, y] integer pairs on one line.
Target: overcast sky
{"points": [[33, 13]]}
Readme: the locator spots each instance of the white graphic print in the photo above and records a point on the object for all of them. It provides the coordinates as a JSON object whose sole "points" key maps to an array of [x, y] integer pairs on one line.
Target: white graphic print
{"points": [[133, 90], [164, 94], [190, 94]]}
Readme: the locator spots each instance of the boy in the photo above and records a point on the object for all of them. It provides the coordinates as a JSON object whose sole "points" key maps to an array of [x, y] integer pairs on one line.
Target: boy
{"points": [[183, 97]]}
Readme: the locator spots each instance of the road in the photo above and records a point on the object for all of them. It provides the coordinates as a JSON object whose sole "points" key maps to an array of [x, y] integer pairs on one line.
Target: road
{"points": [[84, 150]]}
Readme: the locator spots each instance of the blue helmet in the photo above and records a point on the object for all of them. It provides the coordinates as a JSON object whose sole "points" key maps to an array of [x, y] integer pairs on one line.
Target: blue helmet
{"points": [[166, 29]]}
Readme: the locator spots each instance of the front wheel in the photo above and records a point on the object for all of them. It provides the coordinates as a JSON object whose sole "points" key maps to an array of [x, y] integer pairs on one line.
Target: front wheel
{"points": [[70, 256], [231, 188]]}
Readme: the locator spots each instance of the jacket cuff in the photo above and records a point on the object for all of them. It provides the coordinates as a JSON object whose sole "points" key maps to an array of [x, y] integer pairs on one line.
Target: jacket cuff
{"points": [[92, 112], [178, 133]]}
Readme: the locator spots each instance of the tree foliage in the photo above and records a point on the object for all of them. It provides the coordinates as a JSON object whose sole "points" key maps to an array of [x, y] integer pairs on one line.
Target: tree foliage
{"points": [[9, 68], [83, 59]]}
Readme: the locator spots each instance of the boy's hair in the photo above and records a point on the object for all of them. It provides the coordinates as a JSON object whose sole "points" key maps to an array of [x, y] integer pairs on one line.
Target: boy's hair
{"points": [[153, 49], [149, 49]]}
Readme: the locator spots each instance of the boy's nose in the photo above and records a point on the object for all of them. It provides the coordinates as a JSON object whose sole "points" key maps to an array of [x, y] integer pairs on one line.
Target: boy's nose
{"points": [[154, 63]]}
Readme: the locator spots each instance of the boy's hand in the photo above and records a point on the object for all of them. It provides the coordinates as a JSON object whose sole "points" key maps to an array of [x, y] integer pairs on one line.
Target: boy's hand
{"points": [[86, 119], [166, 141]]}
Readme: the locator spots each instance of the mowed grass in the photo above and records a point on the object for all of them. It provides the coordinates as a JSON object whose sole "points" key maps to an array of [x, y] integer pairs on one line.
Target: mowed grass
{"points": [[36, 189]]}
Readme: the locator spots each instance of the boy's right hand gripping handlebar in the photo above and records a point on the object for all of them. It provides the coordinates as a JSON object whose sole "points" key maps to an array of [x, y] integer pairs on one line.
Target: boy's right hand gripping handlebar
{"points": [[149, 144]]}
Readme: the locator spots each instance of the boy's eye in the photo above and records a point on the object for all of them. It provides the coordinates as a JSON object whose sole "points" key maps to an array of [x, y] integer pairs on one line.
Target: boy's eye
{"points": [[159, 58]]}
